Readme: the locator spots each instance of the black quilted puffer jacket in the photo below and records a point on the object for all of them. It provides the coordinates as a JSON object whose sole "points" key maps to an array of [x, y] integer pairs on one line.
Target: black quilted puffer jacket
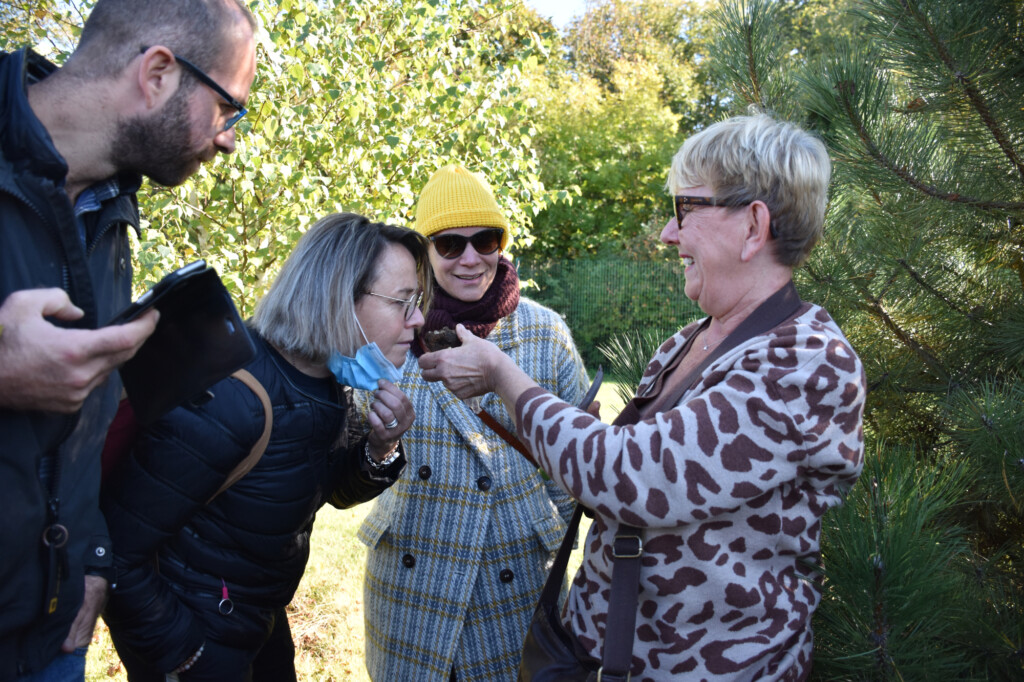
{"points": [[176, 556]]}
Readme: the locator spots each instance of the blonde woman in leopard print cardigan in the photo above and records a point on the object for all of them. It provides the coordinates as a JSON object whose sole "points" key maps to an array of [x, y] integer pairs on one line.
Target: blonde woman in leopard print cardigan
{"points": [[727, 467]]}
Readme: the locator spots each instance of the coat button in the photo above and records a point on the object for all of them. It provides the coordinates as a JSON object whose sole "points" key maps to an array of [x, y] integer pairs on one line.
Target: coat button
{"points": [[506, 575], [408, 560], [424, 472], [484, 483]]}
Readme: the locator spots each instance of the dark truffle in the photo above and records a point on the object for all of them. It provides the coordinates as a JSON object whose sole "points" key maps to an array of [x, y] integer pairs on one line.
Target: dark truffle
{"points": [[440, 339]]}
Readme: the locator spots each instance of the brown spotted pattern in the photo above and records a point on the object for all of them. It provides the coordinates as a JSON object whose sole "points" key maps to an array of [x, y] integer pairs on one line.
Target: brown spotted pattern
{"points": [[729, 487]]}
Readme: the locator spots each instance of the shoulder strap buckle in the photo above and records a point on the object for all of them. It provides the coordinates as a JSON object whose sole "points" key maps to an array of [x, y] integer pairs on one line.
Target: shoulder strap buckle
{"points": [[627, 546]]}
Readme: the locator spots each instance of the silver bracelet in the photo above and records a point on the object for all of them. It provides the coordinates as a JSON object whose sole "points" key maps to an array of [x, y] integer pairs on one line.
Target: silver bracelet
{"points": [[384, 463]]}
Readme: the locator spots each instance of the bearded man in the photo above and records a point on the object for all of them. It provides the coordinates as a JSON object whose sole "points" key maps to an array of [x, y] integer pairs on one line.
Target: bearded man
{"points": [[153, 89]]}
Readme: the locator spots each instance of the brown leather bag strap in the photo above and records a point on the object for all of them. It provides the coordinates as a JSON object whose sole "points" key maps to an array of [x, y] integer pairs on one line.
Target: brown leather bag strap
{"points": [[506, 435], [246, 465]]}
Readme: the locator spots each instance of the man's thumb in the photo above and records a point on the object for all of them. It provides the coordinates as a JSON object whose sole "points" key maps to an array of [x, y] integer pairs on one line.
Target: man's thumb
{"points": [[56, 303]]}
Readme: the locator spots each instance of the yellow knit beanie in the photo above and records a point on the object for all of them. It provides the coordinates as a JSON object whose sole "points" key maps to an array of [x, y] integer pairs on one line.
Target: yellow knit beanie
{"points": [[455, 197]]}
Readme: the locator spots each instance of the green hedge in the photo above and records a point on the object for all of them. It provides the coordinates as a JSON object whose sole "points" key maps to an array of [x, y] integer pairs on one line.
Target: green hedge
{"points": [[602, 299]]}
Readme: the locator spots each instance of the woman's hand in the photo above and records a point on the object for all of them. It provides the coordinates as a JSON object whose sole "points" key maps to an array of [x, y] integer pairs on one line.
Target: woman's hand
{"points": [[475, 368], [391, 414], [468, 370]]}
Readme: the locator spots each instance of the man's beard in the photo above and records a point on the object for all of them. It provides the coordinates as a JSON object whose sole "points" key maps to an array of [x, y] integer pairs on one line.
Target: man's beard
{"points": [[159, 147]]}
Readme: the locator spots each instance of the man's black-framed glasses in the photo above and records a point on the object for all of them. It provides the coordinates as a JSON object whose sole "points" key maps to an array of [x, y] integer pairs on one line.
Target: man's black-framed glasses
{"points": [[684, 203], [485, 242], [239, 108], [410, 305]]}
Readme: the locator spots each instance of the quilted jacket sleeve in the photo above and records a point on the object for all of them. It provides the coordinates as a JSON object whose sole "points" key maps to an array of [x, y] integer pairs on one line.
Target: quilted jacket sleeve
{"points": [[357, 481], [176, 466]]}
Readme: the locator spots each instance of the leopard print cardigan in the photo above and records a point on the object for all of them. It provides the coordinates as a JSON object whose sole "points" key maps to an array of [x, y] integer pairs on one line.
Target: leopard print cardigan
{"points": [[729, 487]]}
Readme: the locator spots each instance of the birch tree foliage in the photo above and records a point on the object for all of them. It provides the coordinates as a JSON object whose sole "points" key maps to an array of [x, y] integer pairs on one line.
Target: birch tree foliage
{"points": [[355, 104]]}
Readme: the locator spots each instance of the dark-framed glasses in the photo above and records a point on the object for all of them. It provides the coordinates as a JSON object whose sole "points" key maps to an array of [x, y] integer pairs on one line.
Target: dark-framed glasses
{"points": [[409, 305], [484, 242], [684, 203], [201, 76]]}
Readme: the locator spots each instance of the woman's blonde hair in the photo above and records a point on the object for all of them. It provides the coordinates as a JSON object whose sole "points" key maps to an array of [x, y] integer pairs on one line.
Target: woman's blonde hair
{"points": [[310, 310], [756, 157]]}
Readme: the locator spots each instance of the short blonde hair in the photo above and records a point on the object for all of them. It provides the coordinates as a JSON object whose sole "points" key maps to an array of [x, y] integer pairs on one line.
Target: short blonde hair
{"points": [[756, 157], [310, 310]]}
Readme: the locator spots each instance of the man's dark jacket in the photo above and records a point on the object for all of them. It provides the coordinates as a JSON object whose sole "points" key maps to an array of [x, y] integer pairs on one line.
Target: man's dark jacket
{"points": [[49, 462], [177, 554]]}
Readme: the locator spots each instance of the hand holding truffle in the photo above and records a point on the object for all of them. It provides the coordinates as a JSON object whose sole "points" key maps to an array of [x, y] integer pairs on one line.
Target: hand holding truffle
{"points": [[474, 368]]}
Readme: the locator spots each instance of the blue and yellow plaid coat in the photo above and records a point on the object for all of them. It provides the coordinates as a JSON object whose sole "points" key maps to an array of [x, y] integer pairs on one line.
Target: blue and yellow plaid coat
{"points": [[460, 545]]}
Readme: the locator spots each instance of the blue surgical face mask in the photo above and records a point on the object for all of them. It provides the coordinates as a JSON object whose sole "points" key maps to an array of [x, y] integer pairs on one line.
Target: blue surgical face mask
{"points": [[369, 366]]}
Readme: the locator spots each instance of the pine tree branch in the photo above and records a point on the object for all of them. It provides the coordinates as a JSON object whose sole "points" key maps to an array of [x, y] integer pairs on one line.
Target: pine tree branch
{"points": [[873, 306], [919, 278], [974, 95], [1017, 265], [748, 34], [885, 288], [876, 307], [845, 90], [879, 635], [873, 387]]}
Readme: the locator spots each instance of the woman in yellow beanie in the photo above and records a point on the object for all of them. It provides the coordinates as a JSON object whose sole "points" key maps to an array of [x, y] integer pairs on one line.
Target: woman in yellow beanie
{"points": [[459, 546]]}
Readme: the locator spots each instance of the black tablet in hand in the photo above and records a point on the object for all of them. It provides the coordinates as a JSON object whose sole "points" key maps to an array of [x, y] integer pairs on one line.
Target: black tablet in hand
{"points": [[157, 291], [199, 340]]}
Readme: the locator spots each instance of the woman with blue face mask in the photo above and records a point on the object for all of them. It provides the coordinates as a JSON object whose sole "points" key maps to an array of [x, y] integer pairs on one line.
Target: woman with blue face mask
{"points": [[459, 547], [202, 585]]}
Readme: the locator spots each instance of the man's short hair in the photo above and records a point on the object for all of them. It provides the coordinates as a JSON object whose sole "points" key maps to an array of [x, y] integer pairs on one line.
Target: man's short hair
{"points": [[116, 30]]}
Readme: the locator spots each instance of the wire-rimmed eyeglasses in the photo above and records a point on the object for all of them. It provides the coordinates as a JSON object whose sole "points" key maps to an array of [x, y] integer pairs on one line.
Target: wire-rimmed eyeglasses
{"points": [[410, 305]]}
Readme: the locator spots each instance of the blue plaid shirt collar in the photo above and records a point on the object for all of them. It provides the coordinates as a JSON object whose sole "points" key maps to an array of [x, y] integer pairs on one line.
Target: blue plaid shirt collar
{"points": [[92, 198]]}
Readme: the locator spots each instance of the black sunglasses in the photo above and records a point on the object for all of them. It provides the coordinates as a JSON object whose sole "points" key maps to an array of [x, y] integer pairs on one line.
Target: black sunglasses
{"points": [[685, 203], [484, 242], [201, 76]]}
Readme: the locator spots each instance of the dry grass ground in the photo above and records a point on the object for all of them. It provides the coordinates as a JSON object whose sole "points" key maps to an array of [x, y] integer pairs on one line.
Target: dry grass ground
{"points": [[326, 615]]}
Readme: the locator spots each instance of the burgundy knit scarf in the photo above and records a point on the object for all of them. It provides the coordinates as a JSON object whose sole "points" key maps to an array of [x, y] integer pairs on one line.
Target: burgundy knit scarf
{"points": [[500, 300]]}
